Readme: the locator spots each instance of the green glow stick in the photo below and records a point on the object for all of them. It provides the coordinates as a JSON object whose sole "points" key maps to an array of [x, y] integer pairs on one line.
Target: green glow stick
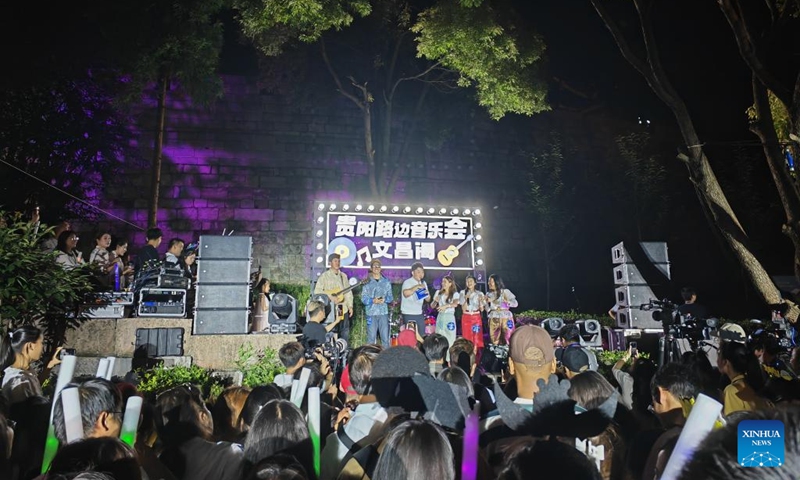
{"points": [[65, 372], [50, 448], [313, 424], [130, 422]]}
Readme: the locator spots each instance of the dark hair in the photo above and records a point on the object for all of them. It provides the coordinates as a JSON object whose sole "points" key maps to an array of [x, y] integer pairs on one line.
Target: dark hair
{"points": [[154, 233], [642, 372], [278, 467], [12, 344], [291, 353], [116, 242], [334, 256], [96, 396], [108, 455], [435, 347], [226, 412], [462, 346], [261, 284], [744, 362], [717, 457], [315, 307], [459, 377], [677, 379], [687, 293], [473, 279], [361, 361], [279, 427], [499, 286], [179, 415], [174, 242], [590, 389], [416, 449], [549, 458], [570, 332], [448, 295], [315, 377], [61, 243], [416, 265], [258, 397]]}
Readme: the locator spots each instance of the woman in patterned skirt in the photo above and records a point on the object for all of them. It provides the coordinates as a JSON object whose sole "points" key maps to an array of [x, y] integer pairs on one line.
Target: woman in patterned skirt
{"points": [[498, 302]]}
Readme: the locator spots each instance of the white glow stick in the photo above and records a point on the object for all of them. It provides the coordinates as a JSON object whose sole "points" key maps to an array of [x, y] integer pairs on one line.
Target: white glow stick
{"points": [[71, 405], [102, 368], [701, 421], [301, 387], [293, 393], [313, 424], [110, 367], [130, 422], [65, 372]]}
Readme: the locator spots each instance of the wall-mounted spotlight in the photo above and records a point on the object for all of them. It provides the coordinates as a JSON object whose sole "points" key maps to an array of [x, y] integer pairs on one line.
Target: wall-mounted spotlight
{"points": [[321, 207], [359, 207], [478, 238], [383, 208], [454, 211], [319, 233], [319, 246], [479, 250], [395, 209], [346, 207], [442, 211], [371, 208], [419, 210], [479, 262], [320, 219], [332, 207], [431, 211], [319, 259], [478, 225], [407, 209], [467, 211], [477, 211]]}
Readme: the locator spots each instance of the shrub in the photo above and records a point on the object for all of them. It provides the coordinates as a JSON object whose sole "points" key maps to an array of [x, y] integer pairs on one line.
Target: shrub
{"points": [[258, 368], [536, 316], [161, 378]]}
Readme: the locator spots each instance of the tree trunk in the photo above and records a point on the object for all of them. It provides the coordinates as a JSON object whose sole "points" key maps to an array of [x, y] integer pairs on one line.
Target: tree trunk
{"points": [[369, 150], [155, 184]]}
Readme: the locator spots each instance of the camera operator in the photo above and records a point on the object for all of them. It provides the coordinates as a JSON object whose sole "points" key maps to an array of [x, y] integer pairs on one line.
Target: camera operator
{"points": [[314, 333], [690, 308]]}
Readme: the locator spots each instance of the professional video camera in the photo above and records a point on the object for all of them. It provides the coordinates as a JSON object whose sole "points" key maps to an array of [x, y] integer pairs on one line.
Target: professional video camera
{"points": [[664, 311], [332, 348]]}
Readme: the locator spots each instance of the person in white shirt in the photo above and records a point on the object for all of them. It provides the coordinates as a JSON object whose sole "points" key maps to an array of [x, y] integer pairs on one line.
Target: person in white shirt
{"points": [[415, 294], [292, 357], [445, 301]]}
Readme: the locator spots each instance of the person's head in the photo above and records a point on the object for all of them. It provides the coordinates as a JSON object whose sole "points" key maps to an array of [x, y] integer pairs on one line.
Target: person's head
{"points": [[688, 294], [263, 286], [154, 236], [278, 467], [417, 271], [671, 385], [459, 377], [570, 334], [335, 261], [182, 415], [416, 449], [495, 283], [550, 459], [119, 246], [360, 363], [24, 345], [279, 427], [101, 410], [765, 347], [375, 268], [316, 311], [530, 357], [67, 241], [735, 359], [590, 389], [435, 348], [258, 397], [449, 287], [107, 455], [574, 360], [175, 246], [102, 239], [470, 282], [462, 354], [717, 457], [292, 356], [226, 412]]}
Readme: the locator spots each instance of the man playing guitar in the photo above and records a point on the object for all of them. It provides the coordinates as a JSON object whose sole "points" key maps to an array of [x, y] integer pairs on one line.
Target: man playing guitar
{"points": [[334, 280]]}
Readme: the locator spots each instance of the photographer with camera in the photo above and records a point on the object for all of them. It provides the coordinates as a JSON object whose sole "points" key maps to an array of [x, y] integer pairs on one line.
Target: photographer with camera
{"points": [[690, 308], [314, 333], [18, 351]]}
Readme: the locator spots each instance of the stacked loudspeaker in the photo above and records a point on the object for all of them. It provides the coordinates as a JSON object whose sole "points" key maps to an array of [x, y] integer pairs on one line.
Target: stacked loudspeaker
{"points": [[641, 272], [223, 285]]}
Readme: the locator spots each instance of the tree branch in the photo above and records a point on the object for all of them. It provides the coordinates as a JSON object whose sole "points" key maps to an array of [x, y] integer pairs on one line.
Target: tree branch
{"points": [[413, 77], [638, 63], [336, 78]]}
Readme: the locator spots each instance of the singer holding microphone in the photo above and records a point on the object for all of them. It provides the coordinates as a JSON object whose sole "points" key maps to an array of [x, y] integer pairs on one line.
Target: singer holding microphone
{"points": [[415, 294], [376, 297]]}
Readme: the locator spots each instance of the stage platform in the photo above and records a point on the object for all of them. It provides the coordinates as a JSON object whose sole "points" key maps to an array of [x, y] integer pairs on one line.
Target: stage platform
{"points": [[102, 337]]}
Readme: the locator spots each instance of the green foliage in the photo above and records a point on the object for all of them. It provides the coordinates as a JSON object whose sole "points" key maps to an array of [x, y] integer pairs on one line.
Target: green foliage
{"points": [[161, 378], [273, 23], [487, 53], [539, 315], [610, 357], [33, 288], [258, 368], [550, 195]]}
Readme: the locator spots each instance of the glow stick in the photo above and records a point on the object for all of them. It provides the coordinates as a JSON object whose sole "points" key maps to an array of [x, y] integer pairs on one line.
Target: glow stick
{"points": [[65, 372], [116, 277], [301, 387], [469, 459], [102, 368], [701, 420], [313, 424], [110, 368], [293, 393], [71, 406], [130, 422]]}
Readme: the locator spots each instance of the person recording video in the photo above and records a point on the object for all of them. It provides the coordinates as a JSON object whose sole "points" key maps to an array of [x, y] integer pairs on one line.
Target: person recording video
{"points": [[314, 333], [690, 308]]}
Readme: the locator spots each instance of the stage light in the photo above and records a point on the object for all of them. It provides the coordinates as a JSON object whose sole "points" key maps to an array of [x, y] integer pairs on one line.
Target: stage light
{"points": [[319, 259], [479, 262], [321, 207], [395, 209], [477, 211], [431, 211], [358, 208], [345, 207], [467, 211], [320, 219], [383, 208], [283, 310], [454, 211], [319, 246], [371, 208], [319, 233], [419, 210], [442, 211], [407, 209], [319, 273], [479, 250], [332, 207], [478, 238], [478, 225]]}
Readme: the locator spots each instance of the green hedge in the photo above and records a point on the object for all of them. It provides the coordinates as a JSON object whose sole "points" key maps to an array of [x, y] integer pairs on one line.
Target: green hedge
{"points": [[539, 315]]}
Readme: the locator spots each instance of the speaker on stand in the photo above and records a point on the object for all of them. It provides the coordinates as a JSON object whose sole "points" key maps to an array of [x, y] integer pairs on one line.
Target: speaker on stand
{"points": [[639, 268], [222, 303]]}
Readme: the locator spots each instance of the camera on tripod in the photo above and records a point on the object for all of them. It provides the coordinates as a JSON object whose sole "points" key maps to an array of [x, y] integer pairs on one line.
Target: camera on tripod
{"points": [[663, 311]]}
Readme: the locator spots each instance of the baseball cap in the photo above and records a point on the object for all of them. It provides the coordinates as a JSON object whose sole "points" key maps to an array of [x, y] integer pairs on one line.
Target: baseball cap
{"points": [[574, 359], [531, 345]]}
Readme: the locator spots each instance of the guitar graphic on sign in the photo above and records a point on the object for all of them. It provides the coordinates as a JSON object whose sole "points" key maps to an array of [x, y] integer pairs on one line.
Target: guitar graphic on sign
{"points": [[447, 255]]}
